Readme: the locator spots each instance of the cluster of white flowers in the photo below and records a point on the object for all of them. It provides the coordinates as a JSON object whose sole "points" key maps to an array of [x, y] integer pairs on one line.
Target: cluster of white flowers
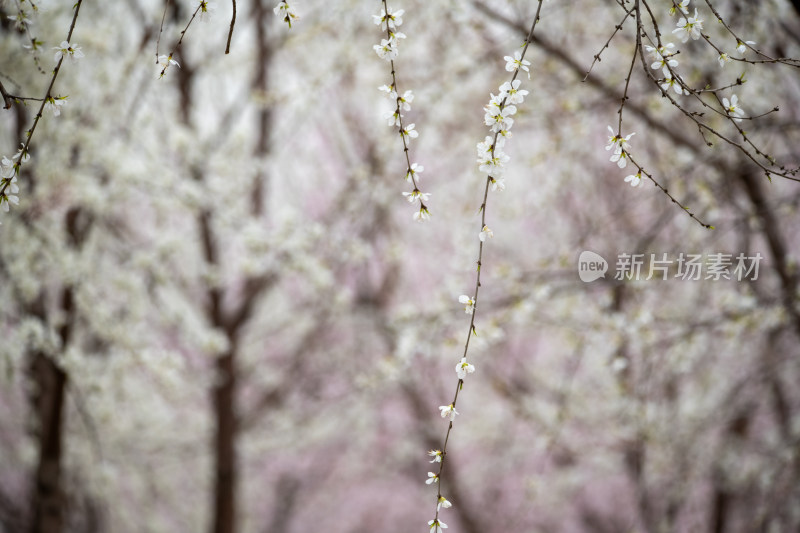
{"points": [[9, 168], [70, 51], [437, 525], [664, 58], [389, 21], [447, 411], [498, 116], [285, 12], [620, 145]]}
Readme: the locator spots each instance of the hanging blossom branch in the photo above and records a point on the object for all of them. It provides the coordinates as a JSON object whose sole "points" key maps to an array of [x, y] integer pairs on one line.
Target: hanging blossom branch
{"points": [[10, 168], [691, 27], [491, 160], [387, 50], [742, 46], [22, 24], [204, 8], [664, 58]]}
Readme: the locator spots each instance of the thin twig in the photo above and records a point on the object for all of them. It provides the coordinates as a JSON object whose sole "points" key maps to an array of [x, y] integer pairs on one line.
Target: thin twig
{"points": [[230, 33], [161, 29], [472, 330]]}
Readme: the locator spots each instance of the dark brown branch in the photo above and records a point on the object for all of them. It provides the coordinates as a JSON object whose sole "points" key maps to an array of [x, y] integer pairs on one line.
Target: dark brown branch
{"points": [[230, 33]]}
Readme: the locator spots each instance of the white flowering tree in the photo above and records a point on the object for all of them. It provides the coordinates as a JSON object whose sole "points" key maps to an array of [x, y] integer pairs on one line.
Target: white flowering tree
{"points": [[217, 311]]}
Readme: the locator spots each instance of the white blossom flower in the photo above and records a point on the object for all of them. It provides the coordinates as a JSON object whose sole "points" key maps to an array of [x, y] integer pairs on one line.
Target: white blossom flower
{"points": [[498, 184], [5, 199], [404, 101], [469, 303], [501, 138], [511, 91], [463, 368], [634, 179], [422, 215], [393, 117], [415, 194], [164, 62], [54, 104], [516, 62], [388, 17], [669, 81], [25, 158], [21, 20], [409, 131], [485, 233], [414, 171], [167, 61], [497, 118], [665, 50], [443, 503], [448, 411], [437, 525], [683, 6], [72, 51], [389, 90], [437, 456], [7, 168], [493, 164], [9, 196], [620, 158], [206, 9], [723, 58], [689, 27], [286, 13], [662, 56], [618, 142], [740, 46], [732, 108], [484, 148], [386, 50], [432, 478]]}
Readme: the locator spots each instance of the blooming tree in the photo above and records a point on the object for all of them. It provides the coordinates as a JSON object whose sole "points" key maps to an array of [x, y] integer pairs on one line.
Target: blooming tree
{"points": [[217, 313]]}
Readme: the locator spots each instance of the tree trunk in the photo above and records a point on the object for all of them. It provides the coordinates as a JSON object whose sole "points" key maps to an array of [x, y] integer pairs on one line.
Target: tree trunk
{"points": [[49, 402], [224, 449]]}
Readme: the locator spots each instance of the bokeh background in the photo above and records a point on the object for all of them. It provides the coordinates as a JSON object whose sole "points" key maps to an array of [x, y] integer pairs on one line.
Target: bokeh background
{"points": [[217, 314]]}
